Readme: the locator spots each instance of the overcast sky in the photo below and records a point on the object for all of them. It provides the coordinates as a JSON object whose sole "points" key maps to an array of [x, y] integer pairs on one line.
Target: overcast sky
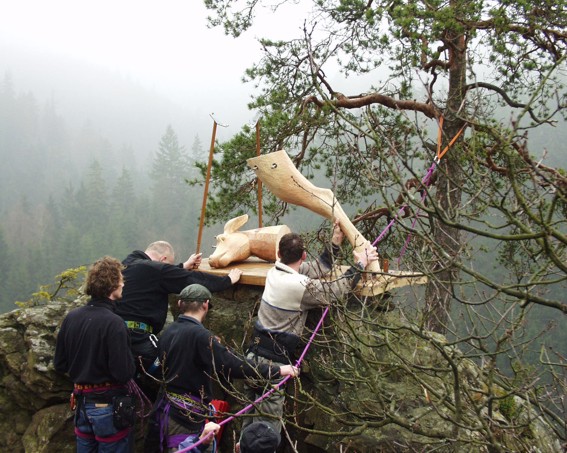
{"points": [[162, 45]]}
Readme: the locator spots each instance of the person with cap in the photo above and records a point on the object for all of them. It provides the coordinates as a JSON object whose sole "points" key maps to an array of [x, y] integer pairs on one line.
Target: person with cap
{"points": [[293, 287], [93, 348], [258, 437], [191, 356], [150, 277]]}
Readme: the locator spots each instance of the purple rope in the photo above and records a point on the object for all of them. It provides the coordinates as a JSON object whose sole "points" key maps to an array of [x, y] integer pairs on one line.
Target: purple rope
{"points": [[135, 390], [383, 233], [425, 181], [272, 390]]}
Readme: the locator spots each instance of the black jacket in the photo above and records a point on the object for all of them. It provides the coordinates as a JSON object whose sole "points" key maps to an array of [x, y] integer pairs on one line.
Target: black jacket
{"points": [[148, 283], [190, 355], [93, 345]]}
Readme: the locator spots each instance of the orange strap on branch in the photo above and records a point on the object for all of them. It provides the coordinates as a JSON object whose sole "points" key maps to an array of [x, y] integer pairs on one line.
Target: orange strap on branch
{"points": [[440, 153]]}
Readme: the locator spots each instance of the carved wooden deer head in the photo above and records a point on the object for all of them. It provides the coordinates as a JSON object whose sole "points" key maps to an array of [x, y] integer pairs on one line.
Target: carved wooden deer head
{"points": [[233, 245]]}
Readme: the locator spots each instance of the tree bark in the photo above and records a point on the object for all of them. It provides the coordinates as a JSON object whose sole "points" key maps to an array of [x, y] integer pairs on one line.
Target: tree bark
{"points": [[439, 291]]}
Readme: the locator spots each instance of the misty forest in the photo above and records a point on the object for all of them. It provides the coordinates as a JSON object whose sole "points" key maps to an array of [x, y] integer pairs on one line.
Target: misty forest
{"points": [[476, 89], [67, 198]]}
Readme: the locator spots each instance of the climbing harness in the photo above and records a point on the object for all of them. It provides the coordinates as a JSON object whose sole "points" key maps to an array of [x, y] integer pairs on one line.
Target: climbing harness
{"points": [[185, 404]]}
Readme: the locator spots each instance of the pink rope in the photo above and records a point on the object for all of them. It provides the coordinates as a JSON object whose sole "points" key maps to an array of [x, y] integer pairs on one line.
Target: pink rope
{"points": [[425, 181], [133, 389], [269, 392]]}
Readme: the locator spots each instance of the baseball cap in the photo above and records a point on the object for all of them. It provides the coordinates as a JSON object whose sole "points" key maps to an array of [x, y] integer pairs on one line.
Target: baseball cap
{"points": [[259, 437]]}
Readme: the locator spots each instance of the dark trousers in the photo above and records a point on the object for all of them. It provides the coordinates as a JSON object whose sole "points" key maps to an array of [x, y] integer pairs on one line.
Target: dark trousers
{"points": [[145, 353], [144, 349]]}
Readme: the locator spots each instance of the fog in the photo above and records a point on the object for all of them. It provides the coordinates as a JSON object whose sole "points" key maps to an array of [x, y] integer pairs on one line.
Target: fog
{"points": [[102, 82], [157, 59], [87, 91]]}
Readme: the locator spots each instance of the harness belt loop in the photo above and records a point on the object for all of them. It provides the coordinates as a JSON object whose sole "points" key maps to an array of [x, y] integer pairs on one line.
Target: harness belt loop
{"points": [[137, 325]]}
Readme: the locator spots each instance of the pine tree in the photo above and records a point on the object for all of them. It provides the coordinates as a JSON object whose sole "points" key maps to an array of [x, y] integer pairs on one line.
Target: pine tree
{"points": [[126, 220], [171, 196]]}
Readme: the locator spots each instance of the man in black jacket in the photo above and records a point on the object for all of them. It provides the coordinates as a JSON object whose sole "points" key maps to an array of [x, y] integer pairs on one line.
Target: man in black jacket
{"points": [[150, 277], [191, 357], [93, 348]]}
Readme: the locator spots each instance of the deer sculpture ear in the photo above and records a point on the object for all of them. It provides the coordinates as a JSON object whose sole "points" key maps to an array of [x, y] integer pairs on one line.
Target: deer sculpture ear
{"points": [[234, 225]]}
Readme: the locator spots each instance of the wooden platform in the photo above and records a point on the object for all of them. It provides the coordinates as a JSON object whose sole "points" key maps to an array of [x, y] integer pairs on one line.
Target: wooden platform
{"points": [[255, 270]]}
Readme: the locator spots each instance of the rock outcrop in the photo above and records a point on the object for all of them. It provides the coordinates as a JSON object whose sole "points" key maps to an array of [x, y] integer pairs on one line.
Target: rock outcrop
{"points": [[373, 389], [34, 398]]}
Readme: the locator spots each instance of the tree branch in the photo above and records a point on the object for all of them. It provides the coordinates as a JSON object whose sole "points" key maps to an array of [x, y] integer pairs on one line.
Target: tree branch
{"points": [[363, 100], [506, 98]]}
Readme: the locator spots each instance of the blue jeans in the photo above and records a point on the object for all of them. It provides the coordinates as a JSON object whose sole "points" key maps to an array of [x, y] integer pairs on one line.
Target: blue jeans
{"points": [[95, 431]]}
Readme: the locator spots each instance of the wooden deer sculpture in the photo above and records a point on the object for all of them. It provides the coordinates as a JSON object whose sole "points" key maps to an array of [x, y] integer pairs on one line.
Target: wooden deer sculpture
{"points": [[283, 179], [234, 245]]}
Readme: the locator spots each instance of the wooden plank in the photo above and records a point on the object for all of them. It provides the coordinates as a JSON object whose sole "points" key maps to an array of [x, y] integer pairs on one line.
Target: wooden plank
{"points": [[254, 273], [254, 270]]}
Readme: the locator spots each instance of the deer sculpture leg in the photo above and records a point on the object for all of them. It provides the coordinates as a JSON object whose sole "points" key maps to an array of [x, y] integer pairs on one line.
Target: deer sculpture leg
{"points": [[283, 179]]}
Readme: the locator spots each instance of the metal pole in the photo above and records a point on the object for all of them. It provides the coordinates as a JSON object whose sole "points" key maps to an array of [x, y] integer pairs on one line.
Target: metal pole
{"points": [[259, 180]]}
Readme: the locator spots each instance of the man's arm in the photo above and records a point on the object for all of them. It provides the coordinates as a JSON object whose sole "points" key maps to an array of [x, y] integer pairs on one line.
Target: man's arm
{"points": [[233, 366], [175, 278], [322, 266], [60, 357], [320, 292], [120, 359], [193, 262]]}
